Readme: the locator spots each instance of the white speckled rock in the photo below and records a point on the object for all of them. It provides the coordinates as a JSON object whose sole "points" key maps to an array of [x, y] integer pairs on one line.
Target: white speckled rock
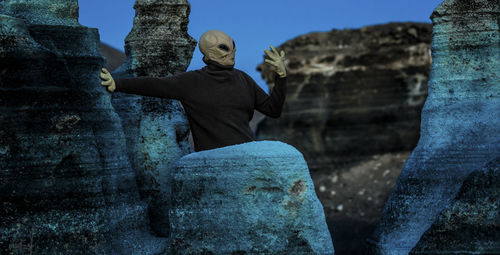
{"points": [[43, 12], [255, 197], [156, 129]]}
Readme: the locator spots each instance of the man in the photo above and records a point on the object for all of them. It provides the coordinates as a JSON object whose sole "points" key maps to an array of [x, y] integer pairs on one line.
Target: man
{"points": [[219, 100]]}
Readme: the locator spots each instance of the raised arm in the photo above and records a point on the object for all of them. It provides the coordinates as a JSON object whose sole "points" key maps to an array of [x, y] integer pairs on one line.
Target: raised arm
{"points": [[272, 105], [174, 87]]}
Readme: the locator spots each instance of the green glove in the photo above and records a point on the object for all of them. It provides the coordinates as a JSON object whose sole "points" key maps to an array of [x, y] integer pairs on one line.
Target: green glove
{"points": [[277, 60], [108, 81]]}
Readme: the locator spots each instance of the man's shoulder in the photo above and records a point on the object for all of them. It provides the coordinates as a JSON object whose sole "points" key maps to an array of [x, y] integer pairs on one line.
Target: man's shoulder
{"points": [[188, 75], [241, 72]]}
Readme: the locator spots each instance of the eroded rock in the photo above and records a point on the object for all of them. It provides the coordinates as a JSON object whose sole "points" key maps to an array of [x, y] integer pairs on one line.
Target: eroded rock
{"points": [[458, 133], [156, 129], [352, 93], [66, 184], [251, 198]]}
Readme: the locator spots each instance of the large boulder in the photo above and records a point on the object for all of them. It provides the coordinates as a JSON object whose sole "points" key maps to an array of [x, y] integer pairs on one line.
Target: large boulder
{"points": [[256, 197], [460, 123]]}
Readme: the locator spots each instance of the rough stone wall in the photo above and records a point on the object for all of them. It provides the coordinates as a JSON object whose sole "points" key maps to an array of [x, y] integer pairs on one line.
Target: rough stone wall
{"points": [[353, 109], [66, 184], [459, 131], [156, 129]]}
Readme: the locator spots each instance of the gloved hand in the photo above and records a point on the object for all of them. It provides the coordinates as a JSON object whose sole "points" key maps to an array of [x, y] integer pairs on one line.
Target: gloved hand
{"points": [[108, 81], [277, 60]]}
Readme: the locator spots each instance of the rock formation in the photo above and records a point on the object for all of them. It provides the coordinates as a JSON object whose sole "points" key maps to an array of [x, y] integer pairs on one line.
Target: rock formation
{"points": [[471, 224], [353, 108], [353, 93], [459, 131], [252, 198], [156, 129], [66, 184]]}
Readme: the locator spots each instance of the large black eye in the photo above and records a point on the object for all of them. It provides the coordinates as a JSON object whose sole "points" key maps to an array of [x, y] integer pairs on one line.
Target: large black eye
{"points": [[223, 47]]}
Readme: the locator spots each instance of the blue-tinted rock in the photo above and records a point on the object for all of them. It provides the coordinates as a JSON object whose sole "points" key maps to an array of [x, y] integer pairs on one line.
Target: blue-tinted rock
{"points": [[43, 12], [66, 185], [471, 224], [156, 129], [459, 122], [253, 198]]}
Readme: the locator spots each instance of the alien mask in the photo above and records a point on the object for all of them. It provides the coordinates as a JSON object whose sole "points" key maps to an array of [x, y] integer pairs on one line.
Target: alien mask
{"points": [[218, 47]]}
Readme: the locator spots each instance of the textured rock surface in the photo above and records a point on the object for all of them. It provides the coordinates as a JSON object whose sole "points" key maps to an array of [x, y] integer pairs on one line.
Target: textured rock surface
{"points": [[353, 108], [263, 204], [353, 93], [66, 185], [471, 225], [156, 129], [459, 122], [43, 12]]}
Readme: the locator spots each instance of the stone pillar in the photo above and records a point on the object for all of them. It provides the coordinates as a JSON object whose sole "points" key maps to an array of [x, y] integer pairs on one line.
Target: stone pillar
{"points": [[252, 198], [460, 122], [156, 129], [66, 185]]}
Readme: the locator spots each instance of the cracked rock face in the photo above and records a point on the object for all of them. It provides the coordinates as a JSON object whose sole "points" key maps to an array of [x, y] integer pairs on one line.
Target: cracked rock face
{"points": [[156, 129], [459, 131], [66, 185], [353, 108], [252, 198]]}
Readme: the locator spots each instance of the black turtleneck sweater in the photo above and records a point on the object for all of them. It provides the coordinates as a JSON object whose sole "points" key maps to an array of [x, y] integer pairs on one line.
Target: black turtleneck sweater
{"points": [[219, 101]]}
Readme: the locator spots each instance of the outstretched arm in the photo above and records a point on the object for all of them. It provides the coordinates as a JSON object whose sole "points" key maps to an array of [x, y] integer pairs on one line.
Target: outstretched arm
{"points": [[174, 87]]}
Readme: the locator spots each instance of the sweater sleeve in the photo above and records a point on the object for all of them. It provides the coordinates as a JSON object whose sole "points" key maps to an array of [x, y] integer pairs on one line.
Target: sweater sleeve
{"points": [[173, 87], [271, 105]]}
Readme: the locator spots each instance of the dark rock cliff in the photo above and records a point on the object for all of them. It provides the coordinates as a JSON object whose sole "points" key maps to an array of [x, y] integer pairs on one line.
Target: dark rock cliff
{"points": [[353, 108], [459, 135], [66, 184], [353, 93]]}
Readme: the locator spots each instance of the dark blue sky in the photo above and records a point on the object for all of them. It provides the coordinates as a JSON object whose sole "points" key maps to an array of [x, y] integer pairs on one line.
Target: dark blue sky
{"points": [[254, 25]]}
